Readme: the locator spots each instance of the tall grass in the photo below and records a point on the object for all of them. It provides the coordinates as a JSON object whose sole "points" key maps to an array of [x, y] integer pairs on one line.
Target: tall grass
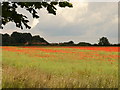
{"points": [[65, 70]]}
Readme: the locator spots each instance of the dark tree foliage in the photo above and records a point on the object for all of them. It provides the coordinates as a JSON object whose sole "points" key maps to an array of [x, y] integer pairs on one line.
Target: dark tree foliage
{"points": [[21, 37], [103, 42], [9, 13], [5, 39], [17, 38], [38, 39], [27, 37], [83, 44], [70, 43]]}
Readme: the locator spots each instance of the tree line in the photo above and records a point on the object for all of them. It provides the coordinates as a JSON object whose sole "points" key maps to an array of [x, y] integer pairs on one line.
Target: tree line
{"points": [[17, 38], [26, 39]]}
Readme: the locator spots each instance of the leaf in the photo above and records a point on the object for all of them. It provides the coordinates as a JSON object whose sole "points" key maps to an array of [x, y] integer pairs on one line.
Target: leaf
{"points": [[61, 4], [54, 3], [44, 4], [51, 10]]}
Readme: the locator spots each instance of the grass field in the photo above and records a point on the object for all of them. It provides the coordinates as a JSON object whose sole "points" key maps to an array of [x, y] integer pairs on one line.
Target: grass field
{"points": [[60, 67]]}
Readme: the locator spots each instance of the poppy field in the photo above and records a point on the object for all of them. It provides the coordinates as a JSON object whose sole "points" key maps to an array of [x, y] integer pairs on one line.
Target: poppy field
{"points": [[59, 67]]}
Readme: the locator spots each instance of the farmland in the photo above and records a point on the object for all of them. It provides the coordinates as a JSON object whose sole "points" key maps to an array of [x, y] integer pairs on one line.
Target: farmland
{"points": [[59, 67]]}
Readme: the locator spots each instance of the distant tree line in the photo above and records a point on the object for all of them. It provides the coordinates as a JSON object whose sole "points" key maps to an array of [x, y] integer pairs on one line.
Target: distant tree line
{"points": [[17, 38], [26, 39]]}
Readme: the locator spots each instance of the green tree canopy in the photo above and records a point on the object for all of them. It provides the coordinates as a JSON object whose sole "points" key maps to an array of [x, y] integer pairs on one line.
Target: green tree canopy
{"points": [[9, 13], [104, 41]]}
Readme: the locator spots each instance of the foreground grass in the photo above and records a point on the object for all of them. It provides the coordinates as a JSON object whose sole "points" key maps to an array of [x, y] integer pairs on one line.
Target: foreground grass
{"points": [[65, 70], [32, 78]]}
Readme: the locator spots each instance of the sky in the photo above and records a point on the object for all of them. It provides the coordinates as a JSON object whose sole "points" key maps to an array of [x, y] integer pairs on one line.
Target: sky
{"points": [[85, 22]]}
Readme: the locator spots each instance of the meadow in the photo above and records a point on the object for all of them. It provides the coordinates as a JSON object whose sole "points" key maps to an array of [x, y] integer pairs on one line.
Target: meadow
{"points": [[59, 67]]}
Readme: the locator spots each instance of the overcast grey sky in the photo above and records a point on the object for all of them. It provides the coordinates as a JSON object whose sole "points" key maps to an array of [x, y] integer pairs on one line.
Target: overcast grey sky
{"points": [[86, 21]]}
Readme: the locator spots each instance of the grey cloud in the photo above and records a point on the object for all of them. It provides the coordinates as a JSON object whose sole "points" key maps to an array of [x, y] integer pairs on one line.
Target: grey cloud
{"points": [[80, 23]]}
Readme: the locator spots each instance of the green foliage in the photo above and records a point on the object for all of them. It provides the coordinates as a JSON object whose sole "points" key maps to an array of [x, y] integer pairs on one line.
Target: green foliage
{"points": [[9, 13], [103, 41]]}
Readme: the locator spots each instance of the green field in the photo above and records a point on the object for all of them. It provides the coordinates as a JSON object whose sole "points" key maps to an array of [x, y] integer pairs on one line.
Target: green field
{"points": [[58, 67]]}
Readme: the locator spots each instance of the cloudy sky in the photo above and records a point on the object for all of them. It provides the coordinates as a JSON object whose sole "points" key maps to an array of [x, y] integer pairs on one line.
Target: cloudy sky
{"points": [[85, 22]]}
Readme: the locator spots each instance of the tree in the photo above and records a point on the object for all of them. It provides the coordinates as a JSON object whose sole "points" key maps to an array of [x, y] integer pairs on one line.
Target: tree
{"points": [[17, 38], [5, 39], [27, 37], [83, 44], [38, 39], [9, 13], [70, 43], [103, 42]]}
